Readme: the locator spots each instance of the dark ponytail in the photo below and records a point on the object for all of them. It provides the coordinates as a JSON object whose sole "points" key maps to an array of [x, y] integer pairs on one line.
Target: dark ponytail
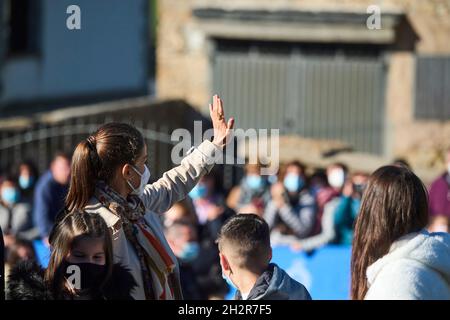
{"points": [[83, 179], [97, 157]]}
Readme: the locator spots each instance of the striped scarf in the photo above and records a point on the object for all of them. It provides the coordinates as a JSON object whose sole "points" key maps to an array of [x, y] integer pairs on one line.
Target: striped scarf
{"points": [[156, 264]]}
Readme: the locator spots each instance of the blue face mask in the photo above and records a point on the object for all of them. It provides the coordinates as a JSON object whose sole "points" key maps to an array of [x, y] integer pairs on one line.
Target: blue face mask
{"points": [[272, 179], [229, 282], [190, 251], [26, 182], [254, 182], [10, 195], [293, 182], [199, 191]]}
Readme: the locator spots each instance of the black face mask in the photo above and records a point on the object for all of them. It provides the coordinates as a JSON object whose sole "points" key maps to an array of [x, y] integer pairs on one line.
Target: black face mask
{"points": [[91, 274]]}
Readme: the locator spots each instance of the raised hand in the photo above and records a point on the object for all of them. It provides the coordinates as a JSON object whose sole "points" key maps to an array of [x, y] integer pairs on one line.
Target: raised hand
{"points": [[222, 128], [277, 191]]}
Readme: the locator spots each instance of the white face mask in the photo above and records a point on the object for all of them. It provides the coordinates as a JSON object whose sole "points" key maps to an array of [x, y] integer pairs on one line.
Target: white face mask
{"points": [[336, 178], [144, 180]]}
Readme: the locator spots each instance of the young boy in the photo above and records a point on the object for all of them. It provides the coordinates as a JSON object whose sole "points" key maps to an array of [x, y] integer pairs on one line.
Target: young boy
{"points": [[245, 254]]}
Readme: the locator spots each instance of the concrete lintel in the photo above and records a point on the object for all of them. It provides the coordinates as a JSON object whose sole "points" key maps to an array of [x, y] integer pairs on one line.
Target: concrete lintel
{"points": [[288, 25], [299, 32]]}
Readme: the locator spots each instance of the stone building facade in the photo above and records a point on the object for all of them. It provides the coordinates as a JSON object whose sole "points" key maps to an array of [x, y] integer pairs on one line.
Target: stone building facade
{"points": [[409, 30]]}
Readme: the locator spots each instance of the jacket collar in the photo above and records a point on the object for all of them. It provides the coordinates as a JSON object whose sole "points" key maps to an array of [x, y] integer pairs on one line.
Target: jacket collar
{"points": [[261, 285]]}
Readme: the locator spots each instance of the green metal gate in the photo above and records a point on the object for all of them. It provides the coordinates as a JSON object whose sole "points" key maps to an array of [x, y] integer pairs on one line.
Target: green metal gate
{"points": [[329, 94]]}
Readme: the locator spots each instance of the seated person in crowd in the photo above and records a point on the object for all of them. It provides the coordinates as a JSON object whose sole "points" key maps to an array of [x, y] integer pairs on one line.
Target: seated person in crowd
{"points": [[182, 238], [347, 208], [254, 191], [210, 209], [318, 181], [15, 216], [27, 176], [338, 218], [292, 209], [206, 269], [325, 186], [336, 176], [206, 197], [51, 190], [245, 254], [322, 193], [182, 210], [439, 202]]}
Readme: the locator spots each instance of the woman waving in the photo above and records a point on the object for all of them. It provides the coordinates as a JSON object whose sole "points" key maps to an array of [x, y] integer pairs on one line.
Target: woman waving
{"points": [[109, 177]]}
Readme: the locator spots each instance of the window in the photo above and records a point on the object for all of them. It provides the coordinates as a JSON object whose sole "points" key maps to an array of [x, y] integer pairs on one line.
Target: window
{"points": [[22, 17], [331, 91], [432, 94]]}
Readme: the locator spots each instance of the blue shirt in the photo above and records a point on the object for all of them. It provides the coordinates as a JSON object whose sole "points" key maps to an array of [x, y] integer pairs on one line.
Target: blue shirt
{"points": [[49, 197]]}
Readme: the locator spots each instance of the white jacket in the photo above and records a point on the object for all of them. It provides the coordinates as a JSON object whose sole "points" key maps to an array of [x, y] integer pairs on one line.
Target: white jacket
{"points": [[416, 267]]}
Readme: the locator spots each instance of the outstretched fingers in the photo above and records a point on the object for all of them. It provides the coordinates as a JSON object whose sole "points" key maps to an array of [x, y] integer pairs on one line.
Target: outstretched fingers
{"points": [[220, 105], [230, 124]]}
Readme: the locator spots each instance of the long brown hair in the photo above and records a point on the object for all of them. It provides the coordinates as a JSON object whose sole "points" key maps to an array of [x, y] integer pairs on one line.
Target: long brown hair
{"points": [[394, 204], [97, 157], [73, 227]]}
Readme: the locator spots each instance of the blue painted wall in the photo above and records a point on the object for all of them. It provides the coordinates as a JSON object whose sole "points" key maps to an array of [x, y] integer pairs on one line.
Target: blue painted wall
{"points": [[108, 55]]}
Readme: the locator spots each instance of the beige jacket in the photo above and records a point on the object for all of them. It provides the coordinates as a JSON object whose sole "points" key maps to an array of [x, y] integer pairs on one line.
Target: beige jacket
{"points": [[158, 198]]}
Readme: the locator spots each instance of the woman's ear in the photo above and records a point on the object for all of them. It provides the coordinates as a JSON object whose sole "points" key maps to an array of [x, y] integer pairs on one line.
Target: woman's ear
{"points": [[126, 171]]}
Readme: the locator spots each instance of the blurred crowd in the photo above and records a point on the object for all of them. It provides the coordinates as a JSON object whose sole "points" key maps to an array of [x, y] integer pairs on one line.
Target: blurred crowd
{"points": [[304, 208]]}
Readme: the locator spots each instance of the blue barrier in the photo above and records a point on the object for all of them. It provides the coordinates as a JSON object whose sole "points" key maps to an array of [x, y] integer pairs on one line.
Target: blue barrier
{"points": [[42, 253], [325, 272]]}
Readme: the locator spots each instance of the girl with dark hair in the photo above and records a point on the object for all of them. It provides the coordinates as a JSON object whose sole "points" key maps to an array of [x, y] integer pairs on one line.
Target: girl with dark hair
{"points": [[393, 256], [80, 268], [109, 178]]}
